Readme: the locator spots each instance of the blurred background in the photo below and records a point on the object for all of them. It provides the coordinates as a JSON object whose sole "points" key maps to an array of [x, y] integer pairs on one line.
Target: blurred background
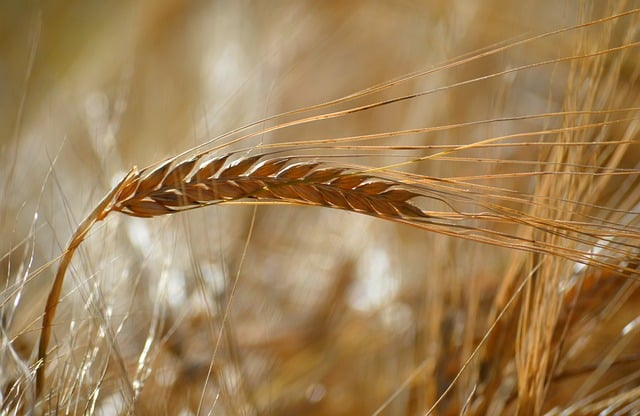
{"points": [[330, 312]]}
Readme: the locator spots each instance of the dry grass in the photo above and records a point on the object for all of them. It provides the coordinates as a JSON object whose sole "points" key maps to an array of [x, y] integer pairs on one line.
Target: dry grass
{"points": [[528, 145]]}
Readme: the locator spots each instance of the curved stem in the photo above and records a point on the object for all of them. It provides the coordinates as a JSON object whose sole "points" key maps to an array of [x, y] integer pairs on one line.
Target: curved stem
{"points": [[99, 213]]}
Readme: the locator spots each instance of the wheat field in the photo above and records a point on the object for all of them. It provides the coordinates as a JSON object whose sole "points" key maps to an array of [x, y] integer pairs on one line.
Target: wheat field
{"points": [[320, 208]]}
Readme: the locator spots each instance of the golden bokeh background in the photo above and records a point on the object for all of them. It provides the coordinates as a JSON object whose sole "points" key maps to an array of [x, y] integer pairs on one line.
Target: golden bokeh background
{"points": [[332, 312]]}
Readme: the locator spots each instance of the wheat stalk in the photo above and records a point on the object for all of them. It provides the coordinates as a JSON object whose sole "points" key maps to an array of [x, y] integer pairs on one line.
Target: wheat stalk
{"points": [[177, 186], [173, 187]]}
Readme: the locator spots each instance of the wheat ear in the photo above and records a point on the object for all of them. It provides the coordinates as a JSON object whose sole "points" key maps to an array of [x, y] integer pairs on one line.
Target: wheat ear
{"points": [[176, 186]]}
